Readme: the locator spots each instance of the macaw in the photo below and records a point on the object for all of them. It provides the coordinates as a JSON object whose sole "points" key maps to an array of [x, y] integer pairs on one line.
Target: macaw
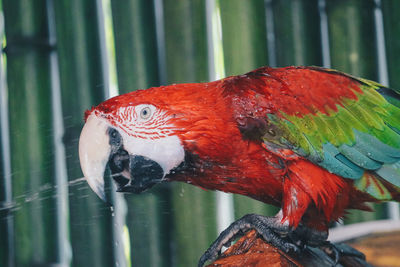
{"points": [[310, 140]]}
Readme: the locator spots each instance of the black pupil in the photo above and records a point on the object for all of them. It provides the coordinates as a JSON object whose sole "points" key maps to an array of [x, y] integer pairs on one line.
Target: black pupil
{"points": [[144, 112]]}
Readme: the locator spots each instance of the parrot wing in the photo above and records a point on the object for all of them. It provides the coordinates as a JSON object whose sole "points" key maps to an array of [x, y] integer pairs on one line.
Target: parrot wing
{"points": [[346, 125]]}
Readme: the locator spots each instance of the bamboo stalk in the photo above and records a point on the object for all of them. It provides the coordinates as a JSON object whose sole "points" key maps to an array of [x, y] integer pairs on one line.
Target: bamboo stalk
{"points": [[244, 35], [296, 32], [32, 161], [351, 34], [193, 209], [137, 67], [80, 46], [135, 44], [353, 50], [390, 10], [244, 40], [6, 219]]}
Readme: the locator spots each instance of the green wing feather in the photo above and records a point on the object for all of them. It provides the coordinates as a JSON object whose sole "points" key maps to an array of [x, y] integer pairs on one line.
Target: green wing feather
{"points": [[363, 134]]}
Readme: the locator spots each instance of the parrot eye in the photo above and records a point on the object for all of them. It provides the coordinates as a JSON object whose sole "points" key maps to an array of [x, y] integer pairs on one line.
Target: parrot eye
{"points": [[145, 113]]}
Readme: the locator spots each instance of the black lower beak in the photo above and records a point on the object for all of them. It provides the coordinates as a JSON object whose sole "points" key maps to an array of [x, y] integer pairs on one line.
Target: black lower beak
{"points": [[144, 173]]}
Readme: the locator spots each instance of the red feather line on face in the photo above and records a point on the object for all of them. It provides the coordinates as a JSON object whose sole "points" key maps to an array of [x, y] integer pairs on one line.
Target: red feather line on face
{"points": [[126, 119], [156, 127]]}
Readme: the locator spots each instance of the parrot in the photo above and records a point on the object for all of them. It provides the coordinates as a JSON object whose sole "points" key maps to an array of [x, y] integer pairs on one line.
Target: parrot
{"points": [[312, 141]]}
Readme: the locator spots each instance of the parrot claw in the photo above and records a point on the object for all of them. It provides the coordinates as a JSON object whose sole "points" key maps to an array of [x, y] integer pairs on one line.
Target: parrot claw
{"points": [[336, 251], [270, 228]]}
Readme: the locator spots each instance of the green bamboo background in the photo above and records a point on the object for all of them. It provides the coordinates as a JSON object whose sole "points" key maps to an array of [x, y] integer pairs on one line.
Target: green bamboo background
{"points": [[60, 57]]}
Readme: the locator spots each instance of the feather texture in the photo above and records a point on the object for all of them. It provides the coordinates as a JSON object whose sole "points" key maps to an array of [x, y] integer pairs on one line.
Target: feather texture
{"points": [[314, 141], [347, 126]]}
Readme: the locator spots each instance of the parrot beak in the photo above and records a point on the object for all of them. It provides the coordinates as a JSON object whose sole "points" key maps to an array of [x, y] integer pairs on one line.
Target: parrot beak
{"points": [[101, 145], [94, 152]]}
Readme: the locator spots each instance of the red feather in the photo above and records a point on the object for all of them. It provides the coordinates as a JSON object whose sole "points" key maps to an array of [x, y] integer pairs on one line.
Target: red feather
{"points": [[220, 123]]}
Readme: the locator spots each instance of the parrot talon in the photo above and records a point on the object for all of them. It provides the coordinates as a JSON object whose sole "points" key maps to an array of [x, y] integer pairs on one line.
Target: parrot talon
{"points": [[303, 236], [228, 244], [270, 228], [336, 251]]}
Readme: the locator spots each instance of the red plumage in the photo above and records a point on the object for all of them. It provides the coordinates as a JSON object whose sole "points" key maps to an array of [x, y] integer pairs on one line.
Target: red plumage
{"points": [[221, 125]]}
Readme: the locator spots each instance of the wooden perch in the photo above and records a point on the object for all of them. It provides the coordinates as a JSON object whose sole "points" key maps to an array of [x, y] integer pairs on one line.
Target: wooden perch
{"points": [[250, 250]]}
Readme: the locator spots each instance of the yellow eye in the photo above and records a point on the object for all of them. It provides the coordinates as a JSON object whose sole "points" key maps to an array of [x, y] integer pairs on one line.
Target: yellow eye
{"points": [[145, 113]]}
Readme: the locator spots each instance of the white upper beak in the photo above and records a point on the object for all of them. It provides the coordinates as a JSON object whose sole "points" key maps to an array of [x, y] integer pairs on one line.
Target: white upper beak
{"points": [[94, 152]]}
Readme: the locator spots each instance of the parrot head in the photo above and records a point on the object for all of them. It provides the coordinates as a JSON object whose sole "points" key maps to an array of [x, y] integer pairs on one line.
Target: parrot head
{"points": [[144, 136]]}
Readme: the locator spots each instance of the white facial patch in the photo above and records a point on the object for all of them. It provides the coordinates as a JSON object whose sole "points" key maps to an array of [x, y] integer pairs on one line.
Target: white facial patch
{"points": [[166, 151]]}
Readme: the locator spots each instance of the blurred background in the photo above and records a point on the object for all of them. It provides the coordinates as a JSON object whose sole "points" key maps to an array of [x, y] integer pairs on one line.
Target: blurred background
{"points": [[60, 57]]}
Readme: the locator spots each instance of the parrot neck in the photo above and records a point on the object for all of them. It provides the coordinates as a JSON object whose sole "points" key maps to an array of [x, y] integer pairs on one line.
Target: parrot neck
{"points": [[253, 172]]}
